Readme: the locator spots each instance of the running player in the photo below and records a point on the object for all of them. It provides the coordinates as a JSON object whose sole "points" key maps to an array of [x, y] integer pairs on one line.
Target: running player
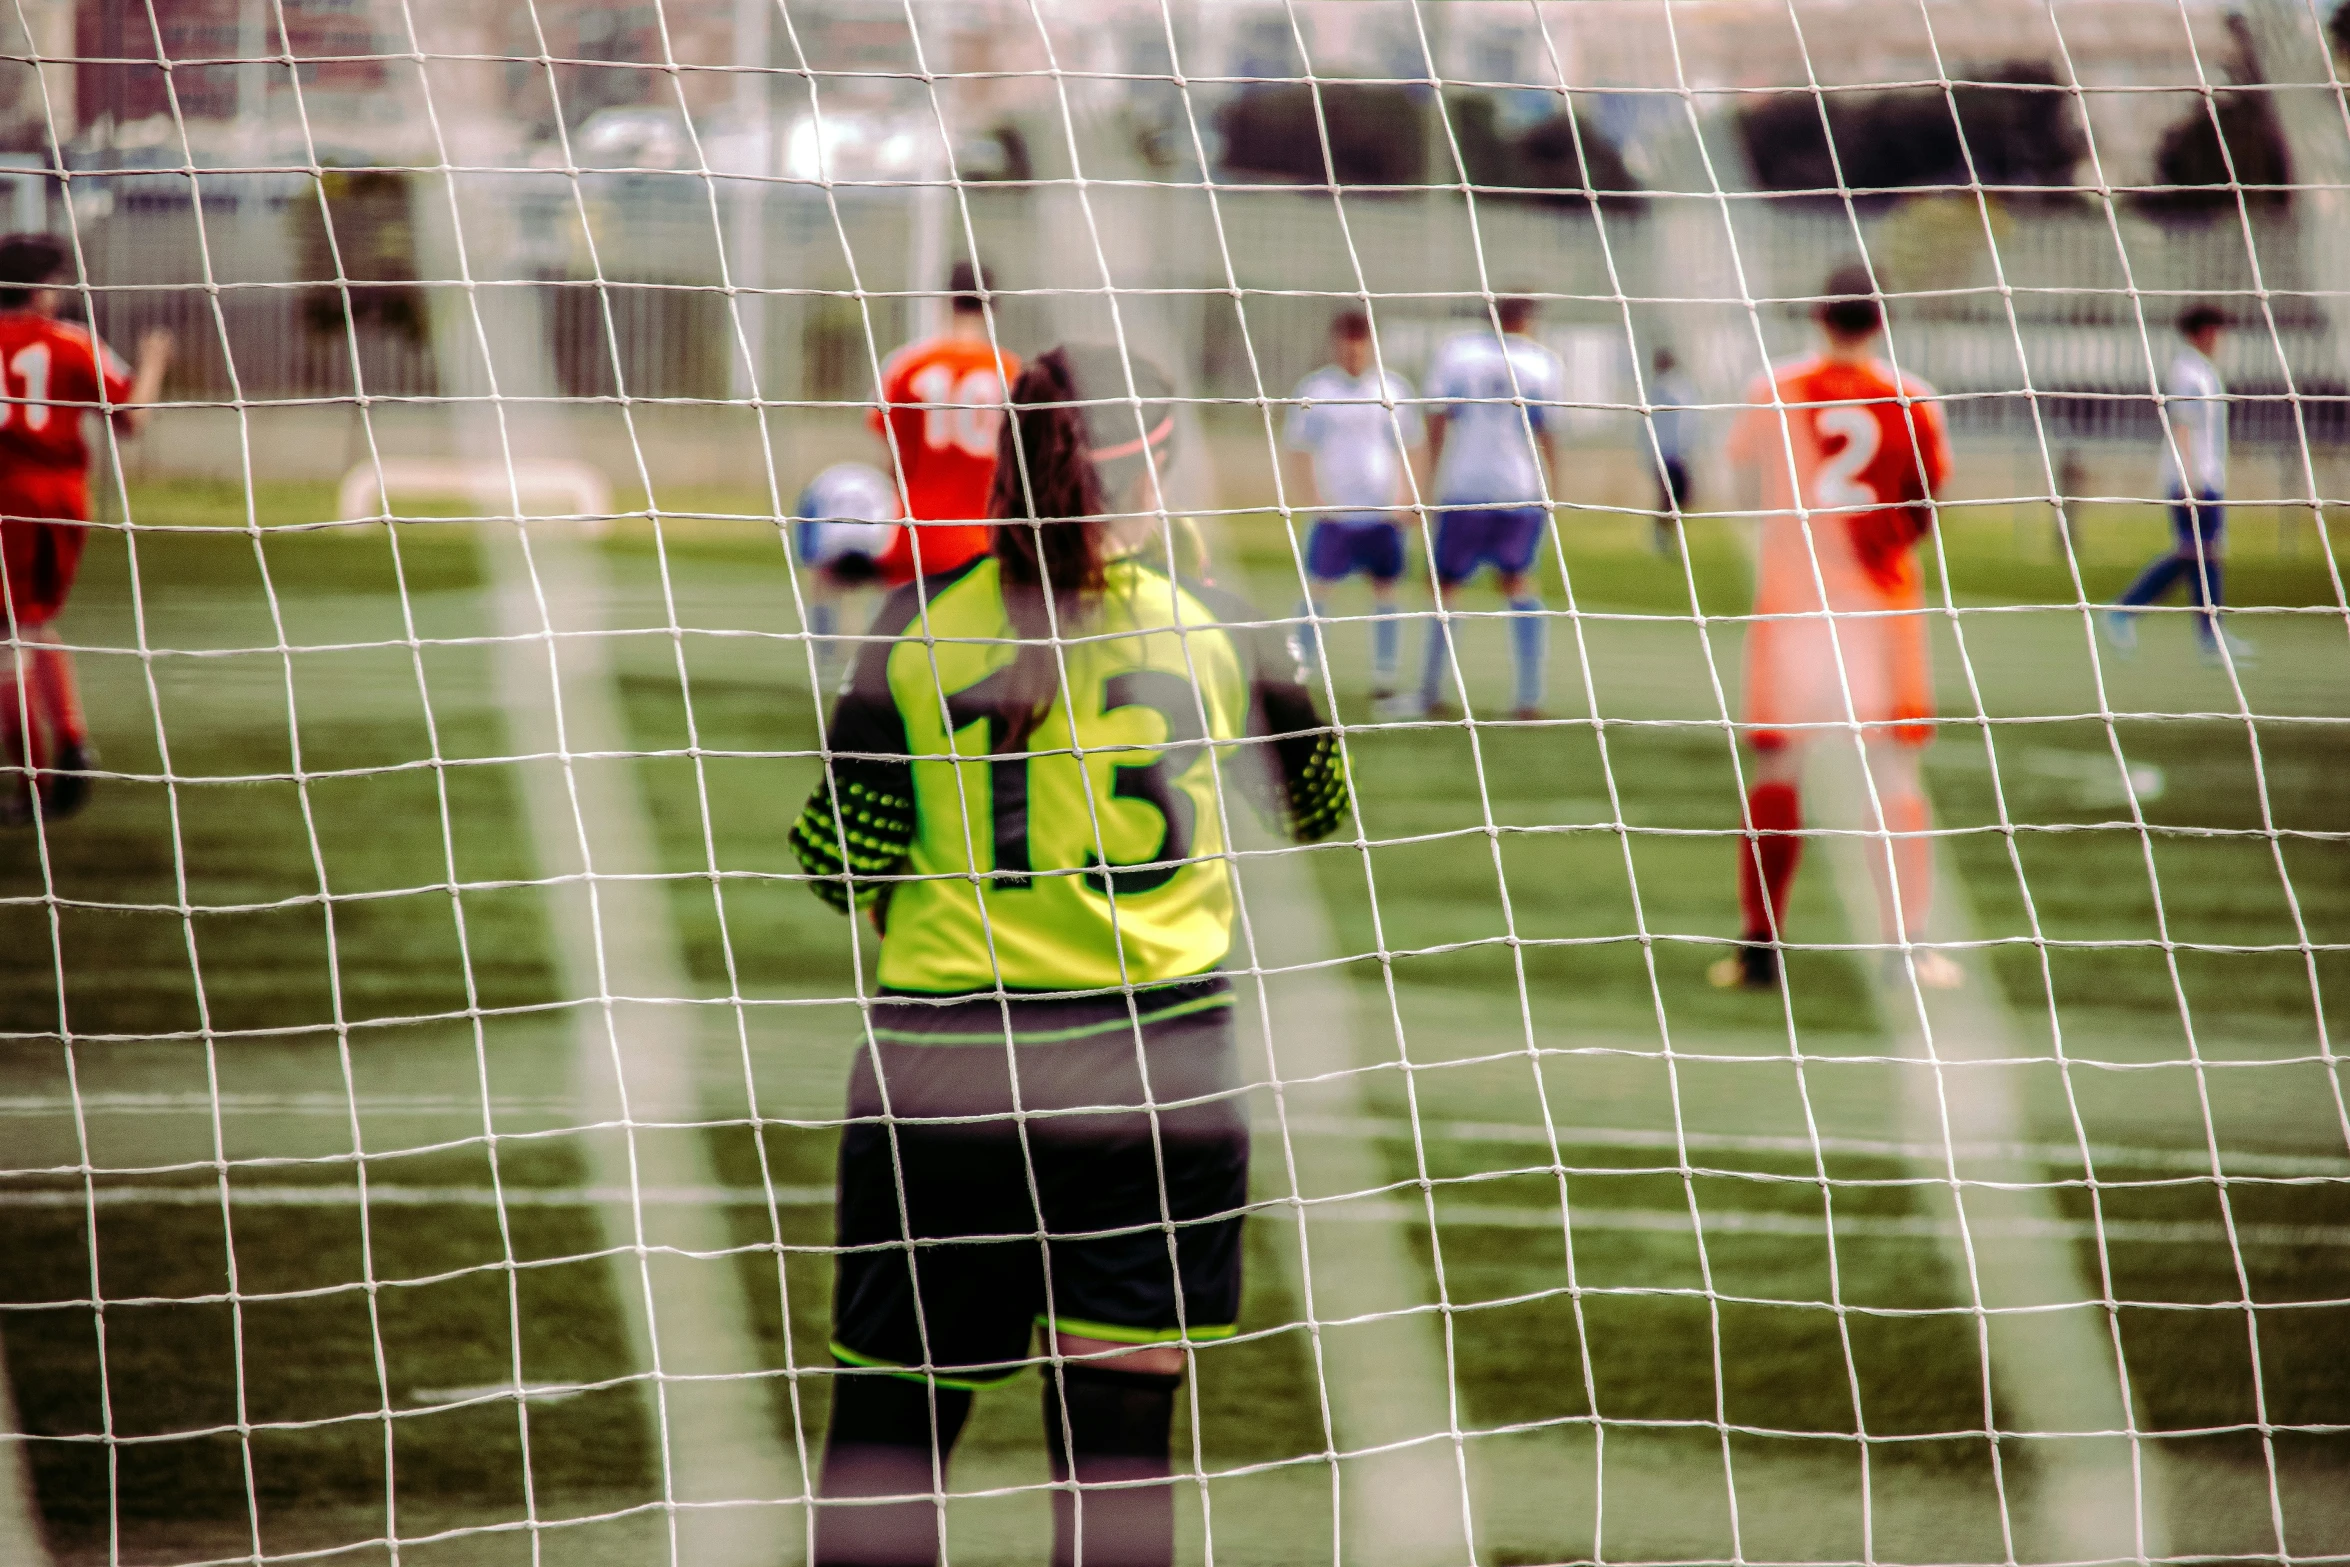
{"points": [[844, 522], [52, 372], [1843, 456], [1489, 438], [1350, 436], [2195, 478], [942, 400], [1025, 793]]}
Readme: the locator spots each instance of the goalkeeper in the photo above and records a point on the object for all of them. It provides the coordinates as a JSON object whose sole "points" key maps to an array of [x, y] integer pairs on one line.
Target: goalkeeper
{"points": [[51, 373], [1026, 793], [1844, 455]]}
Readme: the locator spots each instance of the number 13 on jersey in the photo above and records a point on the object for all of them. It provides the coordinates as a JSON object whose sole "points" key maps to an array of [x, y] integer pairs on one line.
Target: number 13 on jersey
{"points": [[1039, 820]]}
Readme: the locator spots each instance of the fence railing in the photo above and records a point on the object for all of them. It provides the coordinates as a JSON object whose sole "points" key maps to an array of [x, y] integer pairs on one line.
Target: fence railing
{"points": [[2085, 330]]}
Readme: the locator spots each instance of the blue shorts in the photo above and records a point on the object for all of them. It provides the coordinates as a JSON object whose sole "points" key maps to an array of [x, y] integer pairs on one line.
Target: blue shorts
{"points": [[1341, 546], [2203, 521], [1503, 537]]}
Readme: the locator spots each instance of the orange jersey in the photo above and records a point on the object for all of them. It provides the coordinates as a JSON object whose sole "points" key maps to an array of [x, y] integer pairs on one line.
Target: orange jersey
{"points": [[943, 403], [1863, 465], [52, 373], [1866, 465]]}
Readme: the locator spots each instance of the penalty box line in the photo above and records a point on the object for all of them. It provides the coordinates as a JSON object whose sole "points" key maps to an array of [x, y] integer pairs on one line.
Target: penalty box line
{"points": [[685, 1307], [2052, 1371], [1346, 1208]]}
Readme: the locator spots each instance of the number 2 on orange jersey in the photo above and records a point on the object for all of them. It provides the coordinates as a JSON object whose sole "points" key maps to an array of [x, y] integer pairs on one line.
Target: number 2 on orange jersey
{"points": [[1839, 486]]}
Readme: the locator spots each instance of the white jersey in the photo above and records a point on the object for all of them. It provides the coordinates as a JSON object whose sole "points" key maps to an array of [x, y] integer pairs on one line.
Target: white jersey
{"points": [[1489, 453], [1357, 430], [2198, 413]]}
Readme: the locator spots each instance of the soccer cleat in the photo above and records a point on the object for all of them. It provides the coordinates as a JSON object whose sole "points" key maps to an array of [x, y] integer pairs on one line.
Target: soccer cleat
{"points": [[1934, 970], [2241, 653], [1753, 966], [1396, 708], [67, 788], [2120, 628]]}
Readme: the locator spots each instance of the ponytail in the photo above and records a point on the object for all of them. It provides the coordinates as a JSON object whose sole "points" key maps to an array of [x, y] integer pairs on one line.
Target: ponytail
{"points": [[1072, 418], [1047, 503]]}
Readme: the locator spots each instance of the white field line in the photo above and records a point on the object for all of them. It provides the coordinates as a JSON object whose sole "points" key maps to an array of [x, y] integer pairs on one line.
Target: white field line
{"points": [[718, 1431], [1528, 1133], [1385, 1383], [2102, 1492], [1276, 1210], [685, 1308]]}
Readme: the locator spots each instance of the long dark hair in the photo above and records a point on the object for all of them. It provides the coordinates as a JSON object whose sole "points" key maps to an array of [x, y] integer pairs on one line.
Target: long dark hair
{"points": [[1076, 436]]}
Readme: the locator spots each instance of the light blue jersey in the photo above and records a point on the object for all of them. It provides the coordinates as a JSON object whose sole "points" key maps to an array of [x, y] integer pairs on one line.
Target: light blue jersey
{"points": [[1357, 430], [2198, 412], [1673, 415], [1476, 381]]}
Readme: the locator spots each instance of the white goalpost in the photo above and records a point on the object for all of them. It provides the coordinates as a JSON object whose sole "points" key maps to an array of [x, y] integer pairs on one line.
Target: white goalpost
{"points": [[1813, 533]]}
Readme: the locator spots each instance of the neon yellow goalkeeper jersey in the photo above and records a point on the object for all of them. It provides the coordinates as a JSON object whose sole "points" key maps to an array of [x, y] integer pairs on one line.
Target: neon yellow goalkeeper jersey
{"points": [[1092, 855]]}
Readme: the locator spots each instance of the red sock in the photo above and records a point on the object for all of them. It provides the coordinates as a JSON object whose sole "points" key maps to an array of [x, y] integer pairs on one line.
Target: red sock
{"points": [[57, 699], [1774, 815], [12, 731]]}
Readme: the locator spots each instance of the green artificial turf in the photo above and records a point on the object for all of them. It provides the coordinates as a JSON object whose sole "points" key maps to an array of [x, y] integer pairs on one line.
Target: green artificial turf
{"points": [[285, 739]]}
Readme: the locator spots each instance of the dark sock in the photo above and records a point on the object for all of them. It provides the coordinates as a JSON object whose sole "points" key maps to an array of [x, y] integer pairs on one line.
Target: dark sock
{"points": [[880, 1443], [1118, 1424], [2207, 591]]}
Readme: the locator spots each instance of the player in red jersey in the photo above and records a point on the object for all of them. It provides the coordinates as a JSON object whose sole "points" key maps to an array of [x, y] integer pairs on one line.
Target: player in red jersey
{"points": [[52, 372], [1845, 455], [942, 403]]}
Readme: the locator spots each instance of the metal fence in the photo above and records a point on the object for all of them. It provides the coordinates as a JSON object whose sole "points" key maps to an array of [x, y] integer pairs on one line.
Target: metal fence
{"points": [[2061, 317]]}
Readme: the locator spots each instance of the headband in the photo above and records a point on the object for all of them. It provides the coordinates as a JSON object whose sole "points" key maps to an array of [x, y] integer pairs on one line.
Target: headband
{"points": [[1129, 448]]}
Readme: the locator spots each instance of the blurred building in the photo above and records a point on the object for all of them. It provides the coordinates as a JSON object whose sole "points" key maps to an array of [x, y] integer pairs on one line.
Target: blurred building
{"points": [[231, 86]]}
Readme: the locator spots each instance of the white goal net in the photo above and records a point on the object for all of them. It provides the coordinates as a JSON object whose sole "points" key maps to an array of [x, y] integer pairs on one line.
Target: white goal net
{"points": [[1812, 529]]}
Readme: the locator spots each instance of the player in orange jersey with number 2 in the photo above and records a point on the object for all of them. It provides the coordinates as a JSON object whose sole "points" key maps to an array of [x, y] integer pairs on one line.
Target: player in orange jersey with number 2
{"points": [[942, 402], [1843, 455], [52, 372]]}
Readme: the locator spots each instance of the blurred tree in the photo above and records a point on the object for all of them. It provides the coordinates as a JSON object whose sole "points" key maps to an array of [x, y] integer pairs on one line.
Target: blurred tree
{"points": [[1568, 159], [372, 248], [1786, 146], [1376, 134], [2206, 161], [1542, 162], [1488, 159], [2021, 126], [2019, 130]]}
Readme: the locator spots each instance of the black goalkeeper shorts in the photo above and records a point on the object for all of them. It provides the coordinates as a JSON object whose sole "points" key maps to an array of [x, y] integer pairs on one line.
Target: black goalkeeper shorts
{"points": [[1088, 1224]]}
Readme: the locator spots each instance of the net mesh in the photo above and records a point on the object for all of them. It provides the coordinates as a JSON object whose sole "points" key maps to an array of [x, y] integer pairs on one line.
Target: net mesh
{"points": [[424, 1058]]}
